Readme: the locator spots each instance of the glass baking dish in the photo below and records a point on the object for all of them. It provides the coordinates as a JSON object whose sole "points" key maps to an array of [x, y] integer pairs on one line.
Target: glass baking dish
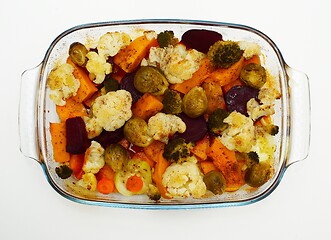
{"points": [[292, 116]]}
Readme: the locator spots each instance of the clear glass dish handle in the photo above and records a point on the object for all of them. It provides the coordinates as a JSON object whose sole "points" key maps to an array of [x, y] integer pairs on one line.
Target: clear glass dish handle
{"points": [[300, 110], [27, 118]]}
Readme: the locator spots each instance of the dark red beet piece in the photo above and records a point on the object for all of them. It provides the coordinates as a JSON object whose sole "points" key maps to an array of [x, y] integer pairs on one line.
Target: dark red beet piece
{"points": [[196, 128], [237, 97], [76, 136], [106, 138], [127, 84], [200, 39]]}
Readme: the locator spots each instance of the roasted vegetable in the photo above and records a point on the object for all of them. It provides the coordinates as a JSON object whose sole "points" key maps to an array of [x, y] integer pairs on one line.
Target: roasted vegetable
{"points": [[172, 102], [150, 80], [200, 39], [86, 88], [129, 58], [63, 171], [166, 38], [116, 156], [215, 121], [135, 130], [111, 84], [254, 75], [59, 142], [253, 156], [134, 179], [224, 53], [177, 150], [153, 193], [147, 106], [195, 102], [76, 136], [271, 129], [77, 53], [258, 174], [215, 182]]}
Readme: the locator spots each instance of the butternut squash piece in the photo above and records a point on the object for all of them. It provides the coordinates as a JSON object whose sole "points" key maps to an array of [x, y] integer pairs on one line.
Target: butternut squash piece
{"points": [[227, 87], [58, 134], [197, 78], [207, 166], [224, 76], [253, 59], [147, 106], [225, 160], [153, 150], [214, 95], [71, 109], [130, 57], [86, 88], [200, 148]]}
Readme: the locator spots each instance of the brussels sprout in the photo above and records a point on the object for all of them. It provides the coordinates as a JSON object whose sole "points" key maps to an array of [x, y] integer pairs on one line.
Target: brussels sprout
{"points": [[258, 174], [195, 102], [116, 156], [150, 79], [77, 53], [254, 75], [215, 182], [135, 130]]}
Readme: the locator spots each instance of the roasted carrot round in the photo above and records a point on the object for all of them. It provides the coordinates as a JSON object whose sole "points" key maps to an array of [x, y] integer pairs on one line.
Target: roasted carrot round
{"points": [[134, 184], [105, 185]]}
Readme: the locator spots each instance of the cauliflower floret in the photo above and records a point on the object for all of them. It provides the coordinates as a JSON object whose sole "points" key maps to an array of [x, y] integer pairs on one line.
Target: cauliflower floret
{"points": [[93, 129], [177, 63], [267, 96], [94, 158], [255, 110], [240, 134], [111, 42], [184, 180], [138, 32], [161, 125], [110, 112], [98, 67], [88, 181], [250, 49], [265, 147], [62, 83]]}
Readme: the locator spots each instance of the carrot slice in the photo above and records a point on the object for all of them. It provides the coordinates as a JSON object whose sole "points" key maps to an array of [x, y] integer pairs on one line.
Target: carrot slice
{"points": [[105, 185], [134, 184]]}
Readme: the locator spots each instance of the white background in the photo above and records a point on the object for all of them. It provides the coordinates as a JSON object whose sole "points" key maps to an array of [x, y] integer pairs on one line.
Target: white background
{"points": [[299, 208]]}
